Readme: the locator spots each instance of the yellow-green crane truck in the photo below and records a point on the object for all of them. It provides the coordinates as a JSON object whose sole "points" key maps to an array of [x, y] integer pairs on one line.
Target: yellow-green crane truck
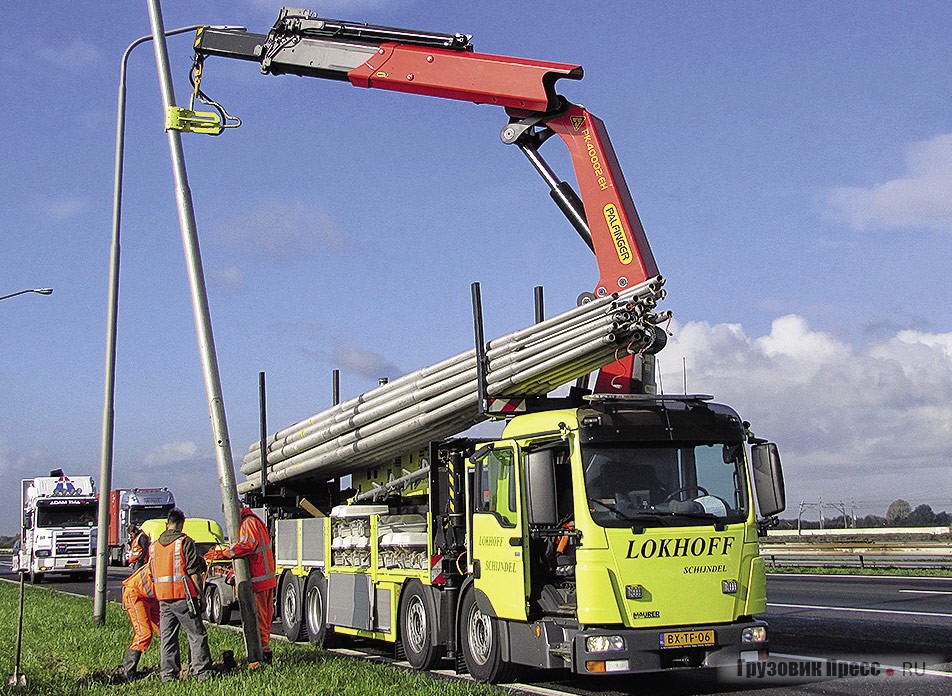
{"points": [[610, 531]]}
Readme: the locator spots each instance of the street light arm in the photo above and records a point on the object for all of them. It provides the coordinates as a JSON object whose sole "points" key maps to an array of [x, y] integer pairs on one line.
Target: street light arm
{"points": [[38, 291], [109, 389]]}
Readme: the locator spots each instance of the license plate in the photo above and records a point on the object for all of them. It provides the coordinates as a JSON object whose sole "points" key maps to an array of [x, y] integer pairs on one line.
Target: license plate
{"points": [[687, 639]]}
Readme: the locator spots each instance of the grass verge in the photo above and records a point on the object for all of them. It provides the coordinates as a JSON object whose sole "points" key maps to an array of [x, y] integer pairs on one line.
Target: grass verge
{"points": [[65, 653]]}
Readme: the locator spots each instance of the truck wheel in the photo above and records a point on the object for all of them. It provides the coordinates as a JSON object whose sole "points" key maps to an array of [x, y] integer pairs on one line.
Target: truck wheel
{"points": [[417, 625], [207, 612], [480, 639], [218, 612], [315, 611], [35, 578], [292, 608]]}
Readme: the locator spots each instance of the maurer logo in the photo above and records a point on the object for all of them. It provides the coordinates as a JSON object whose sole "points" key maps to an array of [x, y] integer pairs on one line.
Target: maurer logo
{"points": [[681, 547], [619, 236]]}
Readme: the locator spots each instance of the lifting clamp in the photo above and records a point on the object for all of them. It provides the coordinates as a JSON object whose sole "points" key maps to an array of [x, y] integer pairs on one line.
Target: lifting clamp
{"points": [[191, 121]]}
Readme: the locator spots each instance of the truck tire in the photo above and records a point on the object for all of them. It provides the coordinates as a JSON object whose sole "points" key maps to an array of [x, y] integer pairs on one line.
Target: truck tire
{"points": [[218, 612], [292, 608], [315, 611], [482, 649], [35, 578], [418, 624], [207, 601]]}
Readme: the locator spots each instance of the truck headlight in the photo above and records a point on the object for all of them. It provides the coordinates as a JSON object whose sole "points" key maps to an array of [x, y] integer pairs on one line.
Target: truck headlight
{"points": [[43, 553], [754, 634], [597, 644]]}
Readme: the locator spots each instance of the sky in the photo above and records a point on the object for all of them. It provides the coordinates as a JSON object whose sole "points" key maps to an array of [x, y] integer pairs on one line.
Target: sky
{"points": [[791, 164]]}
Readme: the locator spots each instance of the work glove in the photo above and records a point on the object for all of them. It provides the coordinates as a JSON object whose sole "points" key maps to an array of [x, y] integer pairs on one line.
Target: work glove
{"points": [[214, 555]]}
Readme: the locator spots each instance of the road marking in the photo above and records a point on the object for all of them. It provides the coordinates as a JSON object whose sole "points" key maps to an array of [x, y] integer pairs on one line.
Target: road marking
{"points": [[532, 689], [862, 610], [828, 576], [940, 592]]}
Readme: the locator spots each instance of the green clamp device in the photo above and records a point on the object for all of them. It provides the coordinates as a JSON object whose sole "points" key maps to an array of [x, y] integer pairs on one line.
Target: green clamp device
{"points": [[188, 121]]}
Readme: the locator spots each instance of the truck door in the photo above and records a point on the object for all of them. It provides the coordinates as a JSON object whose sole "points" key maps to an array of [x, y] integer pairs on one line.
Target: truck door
{"points": [[499, 541]]}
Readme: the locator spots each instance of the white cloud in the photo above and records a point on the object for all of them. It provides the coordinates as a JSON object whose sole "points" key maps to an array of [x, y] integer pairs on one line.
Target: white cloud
{"points": [[283, 231], [65, 208], [920, 198], [363, 362], [77, 55], [170, 453], [865, 422], [230, 279]]}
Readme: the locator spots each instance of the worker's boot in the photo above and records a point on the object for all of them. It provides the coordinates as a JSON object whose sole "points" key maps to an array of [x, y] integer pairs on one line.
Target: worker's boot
{"points": [[131, 663]]}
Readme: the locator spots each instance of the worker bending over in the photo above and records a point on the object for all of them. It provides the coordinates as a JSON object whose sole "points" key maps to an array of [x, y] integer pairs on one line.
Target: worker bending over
{"points": [[254, 543], [138, 599]]}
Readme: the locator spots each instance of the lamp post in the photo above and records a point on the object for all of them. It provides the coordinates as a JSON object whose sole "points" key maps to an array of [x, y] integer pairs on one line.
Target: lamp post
{"points": [[109, 389], [38, 291], [206, 341]]}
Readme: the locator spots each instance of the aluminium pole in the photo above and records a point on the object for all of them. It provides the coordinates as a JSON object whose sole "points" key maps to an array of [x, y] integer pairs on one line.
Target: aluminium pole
{"points": [[206, 342], [109, 388], [108, 410]]}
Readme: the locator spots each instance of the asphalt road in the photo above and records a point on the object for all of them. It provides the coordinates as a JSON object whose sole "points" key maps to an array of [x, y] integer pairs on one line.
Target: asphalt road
{"points": [[866, 636]]}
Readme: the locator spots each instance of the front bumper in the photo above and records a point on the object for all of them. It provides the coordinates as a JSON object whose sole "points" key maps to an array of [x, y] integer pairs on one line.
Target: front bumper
{"points": [[643, 651], [65, 564]]}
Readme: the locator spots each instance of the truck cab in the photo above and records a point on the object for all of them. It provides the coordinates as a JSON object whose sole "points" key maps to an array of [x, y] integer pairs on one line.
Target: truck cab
{"points": [[629, 529], [58, 527], [134, 507]]}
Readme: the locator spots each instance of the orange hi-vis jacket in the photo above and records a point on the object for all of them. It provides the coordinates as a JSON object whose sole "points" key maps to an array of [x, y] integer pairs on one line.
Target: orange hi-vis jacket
{"points": [[168, 571], [139, 585], [254, 543], [136, 552]]}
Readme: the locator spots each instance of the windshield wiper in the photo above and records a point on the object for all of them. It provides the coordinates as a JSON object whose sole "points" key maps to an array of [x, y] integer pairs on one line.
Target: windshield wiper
{"points": [[706, 516], [659, 516], [612, 509]]}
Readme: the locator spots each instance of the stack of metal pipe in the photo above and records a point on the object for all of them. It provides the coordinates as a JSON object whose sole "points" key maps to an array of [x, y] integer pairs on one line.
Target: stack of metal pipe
{"points": [[442, 400]]}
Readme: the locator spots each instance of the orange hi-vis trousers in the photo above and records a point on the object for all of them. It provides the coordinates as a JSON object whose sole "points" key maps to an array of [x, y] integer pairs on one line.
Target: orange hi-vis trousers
{"points": [[143, 615], [265, 601]]}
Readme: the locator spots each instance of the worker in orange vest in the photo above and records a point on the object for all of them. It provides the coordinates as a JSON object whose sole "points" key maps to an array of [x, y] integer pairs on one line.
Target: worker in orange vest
{"points": [[138, 547], [138, 599], [177, 574], [254, 543]]}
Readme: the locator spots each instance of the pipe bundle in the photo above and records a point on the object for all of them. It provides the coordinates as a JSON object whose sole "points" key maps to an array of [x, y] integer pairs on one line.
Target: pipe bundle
{"points": [[441, 400]]}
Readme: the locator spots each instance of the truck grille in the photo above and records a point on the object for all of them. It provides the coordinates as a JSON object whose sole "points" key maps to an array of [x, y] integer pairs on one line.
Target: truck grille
{"points": [[72, 544]]}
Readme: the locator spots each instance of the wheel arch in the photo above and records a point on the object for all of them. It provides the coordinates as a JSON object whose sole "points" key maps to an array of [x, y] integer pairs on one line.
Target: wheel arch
{"points": [[486, 607], [433, 598]]}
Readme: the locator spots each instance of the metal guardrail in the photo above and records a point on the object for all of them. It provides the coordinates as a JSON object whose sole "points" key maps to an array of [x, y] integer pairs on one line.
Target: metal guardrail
{"points": [[903, 532], [898, 554]]}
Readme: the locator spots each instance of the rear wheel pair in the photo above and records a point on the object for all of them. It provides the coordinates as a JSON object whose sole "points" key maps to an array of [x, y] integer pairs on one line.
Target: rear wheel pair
{"points": [[291, 602], [480, 636], [216, 610]]}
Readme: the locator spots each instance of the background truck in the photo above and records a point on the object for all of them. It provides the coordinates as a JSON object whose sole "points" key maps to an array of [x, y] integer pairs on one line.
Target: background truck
{"points": [[609, 531], [57, 526], [133, 507]]}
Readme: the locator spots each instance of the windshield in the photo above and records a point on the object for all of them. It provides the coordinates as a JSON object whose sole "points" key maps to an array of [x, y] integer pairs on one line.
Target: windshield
{"points": [[686, 483], [66, 516], [138, 515]]}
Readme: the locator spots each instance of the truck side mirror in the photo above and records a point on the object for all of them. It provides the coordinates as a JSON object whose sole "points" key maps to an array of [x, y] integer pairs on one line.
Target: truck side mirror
{"points": [[768, 479]]}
